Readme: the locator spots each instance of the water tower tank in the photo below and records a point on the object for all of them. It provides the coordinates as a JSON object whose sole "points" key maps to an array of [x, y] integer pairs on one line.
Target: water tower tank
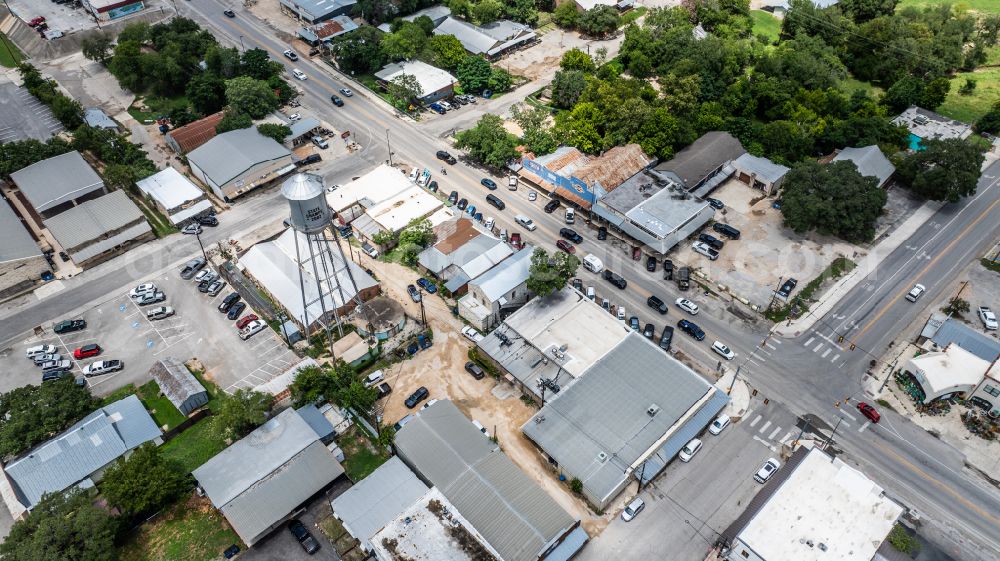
{"points": [[306, 197]]}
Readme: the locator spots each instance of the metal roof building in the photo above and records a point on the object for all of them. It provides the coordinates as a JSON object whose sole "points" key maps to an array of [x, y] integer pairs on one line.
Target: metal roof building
{"points": [[704, 164], [437, 14], [237, 161], [352, 199], [16, 244], [870, 161], [315, 11], [760, 173], [76, 455], [192, 135], [501, 288], [175, 194], [262, 478], [492, 39], [179, 385], [53, 184], [515, 516], [435, 83], [98, 226], [954, 331], [377, 500], [627, 416], [97, 118]]}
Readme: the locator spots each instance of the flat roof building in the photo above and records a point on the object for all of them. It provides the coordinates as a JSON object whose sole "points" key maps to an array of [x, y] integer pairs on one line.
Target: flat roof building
{"points": [[928, 125], [21, 260], [57, 184], [315, 11], [175, 195], [351, 200], [396, 213], [626, 417], [815, 508], [238, 161], [434, 82], [943, 374], [100, 228]]}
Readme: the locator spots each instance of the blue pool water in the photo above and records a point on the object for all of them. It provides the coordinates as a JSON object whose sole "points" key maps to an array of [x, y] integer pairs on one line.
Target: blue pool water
{"points": [[915, 143]]}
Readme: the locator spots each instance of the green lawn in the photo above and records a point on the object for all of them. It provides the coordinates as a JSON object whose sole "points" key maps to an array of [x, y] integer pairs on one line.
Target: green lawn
{"points": [[986, 6], [360, 456], [195, 446], [969, 108], [190, 531], [632, 15], [850, 85], [10, 55], [765, 24], [156, 107], [163, 412]]}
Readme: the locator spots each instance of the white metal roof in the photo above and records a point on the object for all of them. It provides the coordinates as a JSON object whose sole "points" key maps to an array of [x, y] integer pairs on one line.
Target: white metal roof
{"points": [[370, 189], [506, 276], [953, 369], [396, 213], [430, 78], [170, 188], [378, 499]]}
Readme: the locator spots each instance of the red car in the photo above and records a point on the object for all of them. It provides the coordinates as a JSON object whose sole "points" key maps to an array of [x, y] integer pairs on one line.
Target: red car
{"points": [[565, 246], [87, 351], [515, 241], [869, 411], [36, 21], [245, 320]]}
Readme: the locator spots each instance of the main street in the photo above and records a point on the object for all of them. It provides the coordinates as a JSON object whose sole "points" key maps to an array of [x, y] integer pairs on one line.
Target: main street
{"points": [[918, 470]]}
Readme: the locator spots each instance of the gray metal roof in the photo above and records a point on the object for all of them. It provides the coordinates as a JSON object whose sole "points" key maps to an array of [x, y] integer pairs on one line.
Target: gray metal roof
{"points": [[97, 118], [175, 381], [711, 151], [605, 411], [311, 415], [301, 127], [231, 153], [15, 241], [90, 444], [870, 161], [507, 275], [515, 516], [954, 331], [59, 179], [762, 168], [378, 499], [650, 202], [93, 219], [319, 8]]}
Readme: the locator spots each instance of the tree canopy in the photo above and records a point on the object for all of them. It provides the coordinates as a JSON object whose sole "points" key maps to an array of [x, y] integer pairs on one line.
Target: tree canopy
{"points": [[414, 238], [549, 273], [251, 96], [833, 199], [488, 142], [945, 170], [143, 482], [32, 414], [275, 131], [242, 411], [65, 526]]}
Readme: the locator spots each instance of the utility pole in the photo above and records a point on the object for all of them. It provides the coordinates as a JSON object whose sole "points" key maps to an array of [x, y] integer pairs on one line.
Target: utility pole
{"points": [[389, 146], [829, 440], [423, 315], [774, 294], [197, 235], [892, 368]]}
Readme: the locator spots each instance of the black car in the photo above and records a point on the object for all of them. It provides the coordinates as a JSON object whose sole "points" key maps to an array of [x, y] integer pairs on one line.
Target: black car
{"points": [[602, 233], [495, 201], [668, 269], [383, 389], [711, 240], [208, 220], [633, 322], [236, 310], [416, 397], [475, 370], [691, 329], [442, 155], [337, 101], [305, 539], [657, 304], [462, 204], [715, 203], [571, 235], [310, 159], [229, 13], [228, 301], [726, 230], [651, 264], [69, 325], [489, 183], [786, 289], [667, 337], [413, 292], [615, 279], [453, 197], [432, 186], [551, 206], [649, 331], [578, 284]]}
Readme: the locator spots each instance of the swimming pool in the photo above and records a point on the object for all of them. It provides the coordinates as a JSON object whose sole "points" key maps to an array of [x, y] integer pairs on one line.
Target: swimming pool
{"points": [[915, 143]]}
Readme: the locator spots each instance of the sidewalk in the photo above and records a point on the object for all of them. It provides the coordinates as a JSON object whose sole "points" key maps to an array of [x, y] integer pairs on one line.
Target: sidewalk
{"points": [[739, 396]]}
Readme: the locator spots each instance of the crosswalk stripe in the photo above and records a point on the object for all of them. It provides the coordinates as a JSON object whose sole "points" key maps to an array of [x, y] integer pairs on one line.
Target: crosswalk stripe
{"points": [[846, 414], [828, 351], [764, 427], [770, 346], [787, 436], [776, 341], [863, 427], [834, 359], [773, 434], [818, 347], [755, 421], [809, 342]]}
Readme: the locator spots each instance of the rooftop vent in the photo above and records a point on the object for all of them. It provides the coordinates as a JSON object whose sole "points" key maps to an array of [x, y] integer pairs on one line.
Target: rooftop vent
{"points": [[602, 457], [653, 410], [821, 546]]}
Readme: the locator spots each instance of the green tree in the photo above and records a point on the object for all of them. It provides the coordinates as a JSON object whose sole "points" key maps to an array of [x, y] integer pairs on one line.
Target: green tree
{"points": [[865, 10], [233, 120], [63, 526], [902, 540], [567, 87], [414, 238], [120, 176], [251, 96], [403, 89], [575, 59], [138, 32], [404, 44], [459, 8], [487, 11], [536, 134], [97, 47], [32, 414], [311, 384], [599, 21], [499, 81], [549, 273], [956, 307], [284, 91], [257, 63], [945, 170], [833, 199], [566, 15], [446, 51], [207, 93], [488, 142], [143, 482], [523, 11], [474, 73], [359, 51], [242, 411], [275, 131], [905, 92], [22, 153], [935, 93], [990, 122]]}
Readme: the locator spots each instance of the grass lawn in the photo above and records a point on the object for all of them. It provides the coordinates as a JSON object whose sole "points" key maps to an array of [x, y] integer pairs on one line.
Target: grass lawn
{"points": [[765, 24], [10, 55], [850, 85], [163, 412], [969, 108], [360, 456], [156, 107], [632, 15], [985, 6], [196, 445], [190, 531], [161, 225]]}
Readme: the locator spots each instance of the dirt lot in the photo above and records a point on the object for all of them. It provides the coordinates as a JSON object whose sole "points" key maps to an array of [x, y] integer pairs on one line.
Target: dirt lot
{"points": [[495, 404]]}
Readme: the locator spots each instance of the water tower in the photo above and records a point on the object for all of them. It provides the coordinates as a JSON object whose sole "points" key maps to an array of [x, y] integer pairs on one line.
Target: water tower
{"points": [[312, 219]]}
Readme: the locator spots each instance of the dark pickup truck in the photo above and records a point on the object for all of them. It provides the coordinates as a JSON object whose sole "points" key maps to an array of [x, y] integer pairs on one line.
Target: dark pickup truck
{"points": [[684, 278]]}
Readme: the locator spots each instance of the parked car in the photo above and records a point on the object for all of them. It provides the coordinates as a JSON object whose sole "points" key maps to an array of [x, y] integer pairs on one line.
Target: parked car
{"points": [[141, 290], [565, 246], [988, 318], [649, 331], [215, 287], [305, 539], [192, 267], [668, 270], [687, 305], [336, 100], [151, 298], [528, 223], [651, 264], [62, 365], [229, 301], [47, 357], [427, 285], [102, 367], [719, 424], [252, 328], [602, 233], [191, 229], [532, 196], [416, 397], [767, 470], [437, 108], [495, 201], [32, 352], [245, 320], [706, 250], [726, 230], [295, 117], [615, 279], [369, 250], [633, 509], [235, 311], [204, 274], [715, 203], [383, 389], [453, 197], [162, 312], [488, 183], [711, 240], [211, 220], [87, 351], [915, 292], [402, 422], [312, 159], [666, 338], [551, 206], [633, 323], [462, 204], [571, 235], [475, 370], [515, 241], [413, 292], [445, 156], [290, 54], [689, 450], [69, 325], [471, 334], [691, 329], [721, 349], [787, 287], [869, 412], [657, 304]]}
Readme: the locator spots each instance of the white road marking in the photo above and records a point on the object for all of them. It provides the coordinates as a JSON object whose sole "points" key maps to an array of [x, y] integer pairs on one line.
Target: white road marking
{"points": [[811, 339], [863, 427], [834, 359], [828, 351], [770, 346], [776, 341], [787, 436], [818, 347], [755, 421], [846, 414], [764, 428], [774, 433], [766, 444]]}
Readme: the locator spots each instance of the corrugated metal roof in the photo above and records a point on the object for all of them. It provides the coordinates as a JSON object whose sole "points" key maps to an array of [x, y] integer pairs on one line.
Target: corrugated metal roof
{"points": [[605, 412], [320, 8], [870, 161], [229, 154], [762, 168], [59, 179], [953, 331], [193, 135], [378, 499], [507, 275], [93, 219], [90, 444], [170, 188], [97, 118], [301, 127], [175, 381], [612, 168], [515, 516], [108, 244], [15, 241], [471, 37], [430, 78], [311, 415], [695, 162]]}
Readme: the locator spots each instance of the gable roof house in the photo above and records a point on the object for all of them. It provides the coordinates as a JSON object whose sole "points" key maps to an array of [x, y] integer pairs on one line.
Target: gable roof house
{"points": [[704, 164], [461, 254], [78, 456], [175, 195], [759, 173], [179, 385], [870, 162], [194, 134], [236, 162], [435, 83], [262, 478], [56, 184], [498, 291], [490, 40]]}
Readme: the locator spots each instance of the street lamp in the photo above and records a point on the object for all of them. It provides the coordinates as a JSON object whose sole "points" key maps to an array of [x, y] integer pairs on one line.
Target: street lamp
{"points": [[197, 235]]}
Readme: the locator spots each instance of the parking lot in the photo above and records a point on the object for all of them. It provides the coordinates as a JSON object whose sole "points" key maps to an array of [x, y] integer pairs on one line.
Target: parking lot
{"points": [[121, 328], [66, 17], [23, 117]]}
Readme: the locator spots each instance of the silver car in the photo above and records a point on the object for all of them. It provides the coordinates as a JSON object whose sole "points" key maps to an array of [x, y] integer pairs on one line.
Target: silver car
{"points": [[161, 312], [48, 357]]}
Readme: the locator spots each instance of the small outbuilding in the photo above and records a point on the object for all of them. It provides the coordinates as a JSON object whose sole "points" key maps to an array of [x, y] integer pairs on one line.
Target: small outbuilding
{"points": [[179, 385]]}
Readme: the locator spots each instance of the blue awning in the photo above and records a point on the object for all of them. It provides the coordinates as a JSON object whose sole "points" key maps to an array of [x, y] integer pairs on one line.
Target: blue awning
{"points": [[569, 547], [673, 445]]}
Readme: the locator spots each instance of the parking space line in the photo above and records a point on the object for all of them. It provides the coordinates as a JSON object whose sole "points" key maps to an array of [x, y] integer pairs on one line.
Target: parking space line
{"points": [[764, 427], [811, 339], [828, 351], [818, 347], [755, 421], [774, 433], [834, 359]]}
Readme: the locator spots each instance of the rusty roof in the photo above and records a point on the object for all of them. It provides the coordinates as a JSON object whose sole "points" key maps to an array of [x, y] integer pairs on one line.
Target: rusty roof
{"points": [[327, 29], [456, 235], [193, 135], [612, 168]]}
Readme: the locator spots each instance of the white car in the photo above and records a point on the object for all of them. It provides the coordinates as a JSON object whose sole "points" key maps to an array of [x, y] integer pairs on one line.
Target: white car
{"points": [[294, 117], [621, 313], [252, 329], [347, 92], [706, 250], [689, 450], [162, 312], [290, 55], [374, 379], [915, 292], [532, 195], [633, 509], [687, 305], [191, 229], [39, 350], [471, 334], [203, 274], [428, 404], [719, 424], [988, 318], [142, 290], [299, 75], [767, 470], [723, 350], [102, 367]]}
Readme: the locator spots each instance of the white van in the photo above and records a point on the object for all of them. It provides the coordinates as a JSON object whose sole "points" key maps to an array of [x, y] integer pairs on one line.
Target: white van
{"points": [[570, 215], [590, 293], [593, 264], [621, 313], [503, 235], [526, 222], [489, 223]]}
